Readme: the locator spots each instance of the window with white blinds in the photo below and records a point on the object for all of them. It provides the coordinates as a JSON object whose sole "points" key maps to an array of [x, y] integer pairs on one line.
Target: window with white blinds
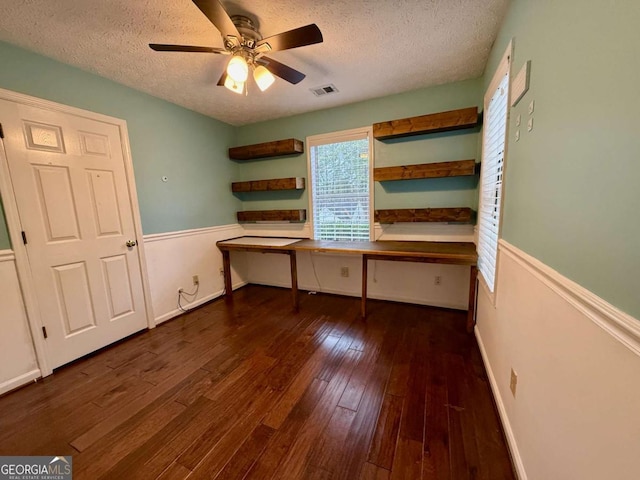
{"points": [[340, 171], [493, 152]]}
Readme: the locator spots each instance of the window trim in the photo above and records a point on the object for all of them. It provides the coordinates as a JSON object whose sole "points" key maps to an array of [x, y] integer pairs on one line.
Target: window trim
{"points": [[503, 68], [336, 137]]}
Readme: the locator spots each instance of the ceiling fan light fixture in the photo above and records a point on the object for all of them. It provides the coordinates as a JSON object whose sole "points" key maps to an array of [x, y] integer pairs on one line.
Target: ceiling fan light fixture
{"points": [[231, 84], [244, 43], [238, 69], [263, 77]]}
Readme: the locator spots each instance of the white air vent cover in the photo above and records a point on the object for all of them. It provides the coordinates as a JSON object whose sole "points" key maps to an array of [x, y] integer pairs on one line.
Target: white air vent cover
{"points": [[324, 90]]}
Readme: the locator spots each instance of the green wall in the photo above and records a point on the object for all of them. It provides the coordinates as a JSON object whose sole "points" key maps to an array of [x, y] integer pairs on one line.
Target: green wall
{"points": [[189, 148], [461, 191], [572, 193]]}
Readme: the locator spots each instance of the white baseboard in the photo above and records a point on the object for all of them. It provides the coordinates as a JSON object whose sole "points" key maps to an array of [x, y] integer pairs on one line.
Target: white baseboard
{"points": [[19, 381], [504, 419], [197, 303], [371, 296], [418, 301], [173, 258]]}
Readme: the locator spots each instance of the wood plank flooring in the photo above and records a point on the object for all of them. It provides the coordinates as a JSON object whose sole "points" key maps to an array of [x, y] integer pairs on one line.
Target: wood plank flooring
{"points": [[254, 391]]}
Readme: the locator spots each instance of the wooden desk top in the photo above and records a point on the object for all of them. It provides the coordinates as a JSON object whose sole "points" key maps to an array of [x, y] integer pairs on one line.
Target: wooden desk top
{"points": [[463, 253], [259, 244], [460, 253]]}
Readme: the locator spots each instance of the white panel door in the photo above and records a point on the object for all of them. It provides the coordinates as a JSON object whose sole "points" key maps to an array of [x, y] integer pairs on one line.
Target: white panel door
{"points": [[70, 185]]}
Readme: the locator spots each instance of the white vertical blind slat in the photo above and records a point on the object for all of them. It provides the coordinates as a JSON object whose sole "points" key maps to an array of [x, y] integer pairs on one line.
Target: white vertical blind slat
{"points": [[491, 189]]}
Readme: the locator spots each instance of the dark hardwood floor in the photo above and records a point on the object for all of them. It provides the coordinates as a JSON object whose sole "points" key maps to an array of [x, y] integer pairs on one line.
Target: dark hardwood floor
{"points": [[256, 391]]}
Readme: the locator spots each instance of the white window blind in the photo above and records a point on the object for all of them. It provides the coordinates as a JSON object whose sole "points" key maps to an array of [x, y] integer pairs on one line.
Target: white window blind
{"points": [[340, 186], [495, 124]]}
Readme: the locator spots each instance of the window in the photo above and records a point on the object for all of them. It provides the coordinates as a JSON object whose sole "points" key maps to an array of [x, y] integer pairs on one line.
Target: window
{"points": [[340, 172], [496, 105]]}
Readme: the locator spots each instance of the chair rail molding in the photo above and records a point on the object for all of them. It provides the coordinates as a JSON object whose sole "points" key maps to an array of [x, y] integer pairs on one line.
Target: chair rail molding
{"points": [[7, 255], [614, 321], [234, 229]]}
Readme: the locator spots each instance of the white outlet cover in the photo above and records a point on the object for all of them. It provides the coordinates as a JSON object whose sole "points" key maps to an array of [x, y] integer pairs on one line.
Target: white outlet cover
{"points": [[530, 124]]}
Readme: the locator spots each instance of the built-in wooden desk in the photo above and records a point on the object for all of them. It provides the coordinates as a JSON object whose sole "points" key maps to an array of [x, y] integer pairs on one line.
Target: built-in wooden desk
{"points": [[260, 245], [453, 253]]}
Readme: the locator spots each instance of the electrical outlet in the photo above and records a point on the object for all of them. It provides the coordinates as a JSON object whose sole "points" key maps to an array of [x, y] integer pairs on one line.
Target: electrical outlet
{"points": [[196, 280], [221, 272], [513, 383], [437, 280], [344, 271]]}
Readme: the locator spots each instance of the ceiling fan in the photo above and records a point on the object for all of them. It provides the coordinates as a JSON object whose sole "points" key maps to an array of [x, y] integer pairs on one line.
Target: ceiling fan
{"points": [[247, 48]]}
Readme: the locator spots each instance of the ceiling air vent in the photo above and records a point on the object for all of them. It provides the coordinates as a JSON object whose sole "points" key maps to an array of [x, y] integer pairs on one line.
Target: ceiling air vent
{"points": [[324, 90]]}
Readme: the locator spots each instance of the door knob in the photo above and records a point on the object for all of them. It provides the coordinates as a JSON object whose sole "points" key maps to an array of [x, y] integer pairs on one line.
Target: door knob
{"points": [[131, 243]]}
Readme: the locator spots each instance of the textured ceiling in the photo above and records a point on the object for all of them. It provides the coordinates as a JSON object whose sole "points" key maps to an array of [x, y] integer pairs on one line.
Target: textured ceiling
{"points": [[370, 49]]}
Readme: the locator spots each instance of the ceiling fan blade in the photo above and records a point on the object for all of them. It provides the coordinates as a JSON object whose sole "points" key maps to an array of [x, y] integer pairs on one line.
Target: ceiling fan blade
{"points": [[222, 79], [298, 37], [217, 15], [159, 47], [281, 70]]}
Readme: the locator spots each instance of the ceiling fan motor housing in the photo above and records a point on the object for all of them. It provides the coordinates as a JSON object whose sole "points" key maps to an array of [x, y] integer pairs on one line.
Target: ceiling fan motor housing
{"points": [[248, 30]]}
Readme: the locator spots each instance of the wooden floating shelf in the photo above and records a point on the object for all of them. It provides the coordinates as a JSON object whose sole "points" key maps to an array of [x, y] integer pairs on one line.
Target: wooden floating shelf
{"points": [[277, 148], [426, 170], [452, 215], [273, 216], [432, 123], [293, 183]]}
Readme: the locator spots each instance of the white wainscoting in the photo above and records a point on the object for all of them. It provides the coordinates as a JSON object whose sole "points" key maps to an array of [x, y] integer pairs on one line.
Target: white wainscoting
{"points": [[18, 363], [174, 258], [577, 357], [397, 281]]}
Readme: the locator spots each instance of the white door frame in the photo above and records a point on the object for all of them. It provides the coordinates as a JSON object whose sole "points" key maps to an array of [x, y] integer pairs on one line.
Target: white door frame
{"points": [[15, 228]]}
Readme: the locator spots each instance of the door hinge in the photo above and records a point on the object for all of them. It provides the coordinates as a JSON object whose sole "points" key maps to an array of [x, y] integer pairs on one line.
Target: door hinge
{"points": [[1, 131], [44, 332], [24, 238]]}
